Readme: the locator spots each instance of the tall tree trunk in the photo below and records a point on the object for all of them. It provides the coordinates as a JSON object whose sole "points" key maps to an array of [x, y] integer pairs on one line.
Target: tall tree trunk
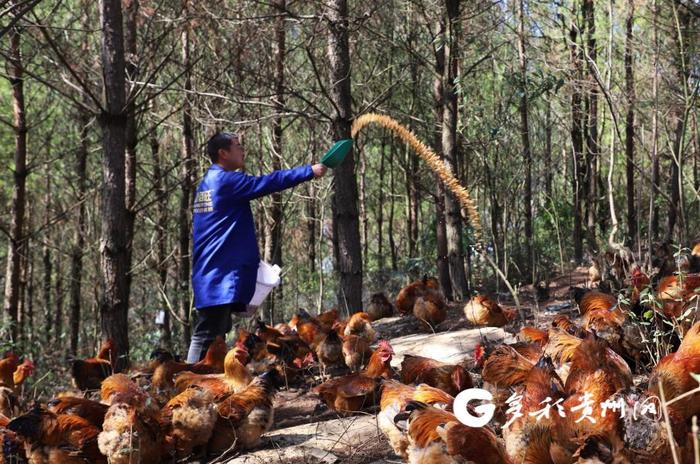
{"points": [[273, 243], [25, 306], [674, 177], [675, 210], [29, 302], [364, 217], [525, 140], [577, 129], [161, 237], [311, 225], [113, 237], [76, 272], [450, 151], [48, 265], [346, 231], [131, 133], [547, 162], [58, 298], [186, 185], [629, 129], [414, 231], [655, 171], [443, 264], [392, 210], [380, 205], [410, 205], [311, 213], [412, 161], [591, 133], [16, 238], [81, 155]]}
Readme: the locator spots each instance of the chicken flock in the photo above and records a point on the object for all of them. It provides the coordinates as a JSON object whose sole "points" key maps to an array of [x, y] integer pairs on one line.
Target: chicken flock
{"points": [[559, 393]]}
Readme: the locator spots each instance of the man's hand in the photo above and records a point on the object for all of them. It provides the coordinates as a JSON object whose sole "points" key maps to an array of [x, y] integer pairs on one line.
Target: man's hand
{"points": [[319, 170]]}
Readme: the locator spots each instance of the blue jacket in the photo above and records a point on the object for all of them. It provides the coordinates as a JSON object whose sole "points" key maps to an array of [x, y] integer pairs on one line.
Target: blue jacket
{"points": [[225, 253]]}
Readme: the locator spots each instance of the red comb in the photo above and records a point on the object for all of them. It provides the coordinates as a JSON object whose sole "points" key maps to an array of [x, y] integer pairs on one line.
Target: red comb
{"points": [[478, 351]]}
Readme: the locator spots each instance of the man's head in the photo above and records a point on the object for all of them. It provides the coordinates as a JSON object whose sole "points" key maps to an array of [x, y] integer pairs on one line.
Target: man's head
{"points": [[226, 150]]}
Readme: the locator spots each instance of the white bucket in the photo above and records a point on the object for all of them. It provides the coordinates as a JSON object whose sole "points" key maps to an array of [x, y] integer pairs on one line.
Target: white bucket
{"points": [[268, 278]]}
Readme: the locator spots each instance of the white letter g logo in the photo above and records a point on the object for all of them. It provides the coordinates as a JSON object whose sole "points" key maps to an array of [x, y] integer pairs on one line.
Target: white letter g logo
{"points": [[486, 411]]}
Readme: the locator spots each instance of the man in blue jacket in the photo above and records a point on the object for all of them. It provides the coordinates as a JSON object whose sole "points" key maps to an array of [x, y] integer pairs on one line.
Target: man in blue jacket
{"points": [[225, 253]]}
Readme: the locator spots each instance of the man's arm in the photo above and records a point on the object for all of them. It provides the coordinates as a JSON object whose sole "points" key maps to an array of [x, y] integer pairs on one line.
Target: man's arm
{"points": [[245, 187]]}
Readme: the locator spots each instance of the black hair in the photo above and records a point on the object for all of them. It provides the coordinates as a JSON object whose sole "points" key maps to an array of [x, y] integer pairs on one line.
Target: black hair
{"points": [[219, 141]]}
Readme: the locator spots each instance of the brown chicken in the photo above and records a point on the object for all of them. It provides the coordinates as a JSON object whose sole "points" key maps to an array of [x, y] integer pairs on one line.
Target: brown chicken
{"points": [[592, 300], [244, 417], [9, 403], [131, 432], [115, 384], [450, 378], [188, 421], [253, 343], [89, 373], [480, 310], [235, 378], [436, 436], [505, 367], [430, 309], [360, 324], [394, 397], [673, 372], [530, 351], [291, 343], [325, 320], [57, 438], [603, 314], [8, 366], [310, 331], [330, 350], [407, 296], [563, 322], [525, 436], [289, 355], [20, 374], [264, 331], [92, 411], [676, 292], [301, 315], [356, 391], [694, 259], [601, 311], [639, 281], [356, 352], [533, 335], [573, 429], [163, 383], [597, 373], [561, 345], [379, 306], [591, 355], [328, 318], [13, 447]]}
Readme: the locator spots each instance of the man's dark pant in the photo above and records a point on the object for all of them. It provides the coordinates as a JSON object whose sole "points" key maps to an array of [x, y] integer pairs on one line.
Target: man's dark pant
{"points": [[211, 322]]}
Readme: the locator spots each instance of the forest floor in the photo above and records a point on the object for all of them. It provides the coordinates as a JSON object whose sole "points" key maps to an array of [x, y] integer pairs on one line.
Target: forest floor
{"points": [[306, 433]]}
